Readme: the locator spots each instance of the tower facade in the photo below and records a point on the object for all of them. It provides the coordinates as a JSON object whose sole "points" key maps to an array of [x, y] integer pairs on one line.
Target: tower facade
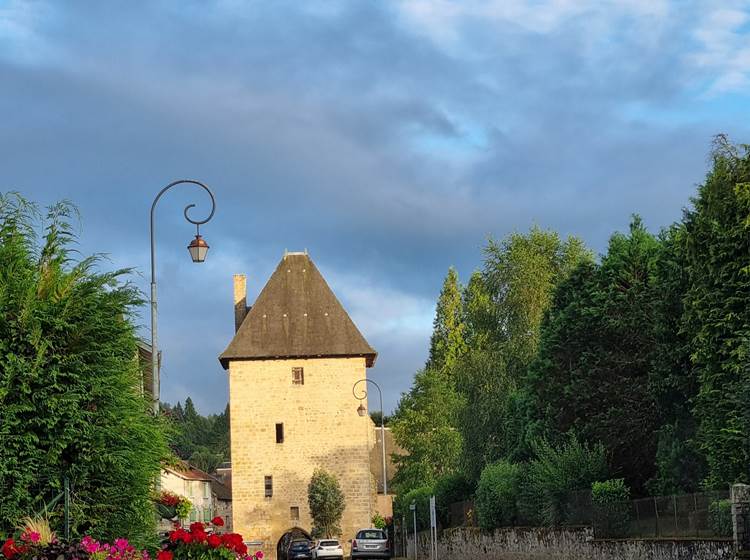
{"points": [[292, 363]]}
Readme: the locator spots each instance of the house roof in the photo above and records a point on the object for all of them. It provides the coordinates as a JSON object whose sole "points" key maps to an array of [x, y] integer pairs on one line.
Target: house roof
{"points": [[188, 472], [297, 315], [222, 491]]}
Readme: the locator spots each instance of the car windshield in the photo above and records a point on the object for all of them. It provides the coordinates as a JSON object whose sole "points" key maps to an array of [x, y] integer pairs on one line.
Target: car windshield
{"points": [[329, 543], [300, 545], [371, 535]]}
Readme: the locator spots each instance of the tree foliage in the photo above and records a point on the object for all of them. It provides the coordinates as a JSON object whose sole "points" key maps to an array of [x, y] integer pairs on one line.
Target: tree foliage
{"points": [[591, 375], [201, 440], [70, 401], [497, 495], [448, 339], [717, 312], [424, 425], [326, 501]]}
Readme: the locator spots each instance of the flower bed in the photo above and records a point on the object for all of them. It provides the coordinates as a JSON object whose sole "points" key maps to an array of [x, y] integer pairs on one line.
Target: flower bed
{"points": [[197, 543]]}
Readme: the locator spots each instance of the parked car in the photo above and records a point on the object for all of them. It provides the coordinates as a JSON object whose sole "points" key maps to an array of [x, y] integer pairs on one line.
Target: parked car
{"points": [[370, 543], [299, 549], [327, 548]]}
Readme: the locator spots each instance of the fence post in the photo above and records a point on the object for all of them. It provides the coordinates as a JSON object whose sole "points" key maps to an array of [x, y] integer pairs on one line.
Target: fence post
{"points": [[656, 518], [741, 519], [66, 513], [674, 506]]}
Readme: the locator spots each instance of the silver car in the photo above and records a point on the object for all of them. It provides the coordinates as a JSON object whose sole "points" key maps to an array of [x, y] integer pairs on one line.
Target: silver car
{"points": [[370, 543]]}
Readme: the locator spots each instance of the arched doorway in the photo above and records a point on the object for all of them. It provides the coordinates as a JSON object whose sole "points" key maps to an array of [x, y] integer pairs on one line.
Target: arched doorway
{"points": [[287, 538]]}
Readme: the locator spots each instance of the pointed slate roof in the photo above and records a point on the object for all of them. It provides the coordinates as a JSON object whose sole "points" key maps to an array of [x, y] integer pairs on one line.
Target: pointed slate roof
{"points": [[297, 316]]}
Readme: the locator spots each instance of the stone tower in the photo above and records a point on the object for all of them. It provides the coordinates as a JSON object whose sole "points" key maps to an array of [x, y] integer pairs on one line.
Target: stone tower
{"points": [[292, 363]]}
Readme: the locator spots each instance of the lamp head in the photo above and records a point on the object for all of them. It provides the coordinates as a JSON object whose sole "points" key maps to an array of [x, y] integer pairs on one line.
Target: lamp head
{"points": [[361, 410], [198, 249]]}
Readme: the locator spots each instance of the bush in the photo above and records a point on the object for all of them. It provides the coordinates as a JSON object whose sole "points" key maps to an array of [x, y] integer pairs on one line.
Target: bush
{"points": [[555, 474], [70, 399], [420, 496], [450, 489], [326, 501], [720, 518], [611, 502], [497, 493]]}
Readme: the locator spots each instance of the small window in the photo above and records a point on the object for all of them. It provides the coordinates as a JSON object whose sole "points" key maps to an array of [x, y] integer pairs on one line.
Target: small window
{"points": [[298, 376], [294, 513], [269, 486], [279, 433]]}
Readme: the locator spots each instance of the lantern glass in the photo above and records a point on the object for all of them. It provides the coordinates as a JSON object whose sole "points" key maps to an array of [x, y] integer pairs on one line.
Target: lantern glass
{"points": [[361, 410], [198, 249]]}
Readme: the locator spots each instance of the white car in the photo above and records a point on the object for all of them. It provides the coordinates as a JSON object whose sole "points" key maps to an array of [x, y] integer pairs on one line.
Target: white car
{"points": [[327, 548]]}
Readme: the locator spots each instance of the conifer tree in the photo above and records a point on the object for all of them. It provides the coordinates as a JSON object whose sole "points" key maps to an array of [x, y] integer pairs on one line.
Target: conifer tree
{"points": [[448, 334], [717, 311], [70, 401]]}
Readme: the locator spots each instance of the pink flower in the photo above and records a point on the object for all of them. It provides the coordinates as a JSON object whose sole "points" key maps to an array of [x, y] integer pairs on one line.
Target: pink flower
{"points": [[259, 555], [121, 544], [90, 545]]}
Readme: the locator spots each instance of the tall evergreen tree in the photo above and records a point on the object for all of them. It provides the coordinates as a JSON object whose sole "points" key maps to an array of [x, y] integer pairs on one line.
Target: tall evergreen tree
{"points": [[673, 382], [70, 402], [592, 372], [717, 311], [448, 334]]}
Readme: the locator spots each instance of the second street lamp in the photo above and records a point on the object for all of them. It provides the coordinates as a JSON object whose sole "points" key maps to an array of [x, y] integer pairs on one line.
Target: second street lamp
{"points": [[361, 410], [198, 249]]}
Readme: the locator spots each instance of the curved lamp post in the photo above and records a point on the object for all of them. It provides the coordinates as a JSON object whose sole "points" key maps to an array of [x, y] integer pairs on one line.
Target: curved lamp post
{"points": [[361, 410], [197, 248]]}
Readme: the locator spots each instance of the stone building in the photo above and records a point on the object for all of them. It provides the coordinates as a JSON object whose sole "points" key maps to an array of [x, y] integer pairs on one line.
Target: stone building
{"points": [[292, 363]]}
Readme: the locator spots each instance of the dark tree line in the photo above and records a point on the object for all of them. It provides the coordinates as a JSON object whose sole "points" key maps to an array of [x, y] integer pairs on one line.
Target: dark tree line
{"points": [[201, 440], [643, 351]]}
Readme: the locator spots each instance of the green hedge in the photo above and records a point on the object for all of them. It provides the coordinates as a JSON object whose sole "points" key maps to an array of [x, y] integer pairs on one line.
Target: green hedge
{"points": [[497, 493], [720, 518], [611, 502]]}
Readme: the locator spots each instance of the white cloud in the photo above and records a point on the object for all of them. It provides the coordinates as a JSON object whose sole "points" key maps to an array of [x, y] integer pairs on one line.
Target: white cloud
{"points": [[723, 48], [379, 310]]}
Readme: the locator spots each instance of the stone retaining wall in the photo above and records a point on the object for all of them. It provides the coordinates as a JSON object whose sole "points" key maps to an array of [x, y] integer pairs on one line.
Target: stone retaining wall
{"points": [[468, 543]]}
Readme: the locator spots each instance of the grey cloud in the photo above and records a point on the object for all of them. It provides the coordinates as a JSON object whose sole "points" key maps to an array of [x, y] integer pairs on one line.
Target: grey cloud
{"points": [[314, 124]]}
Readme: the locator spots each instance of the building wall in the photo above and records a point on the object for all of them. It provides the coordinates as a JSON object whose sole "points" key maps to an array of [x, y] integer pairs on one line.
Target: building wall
{"points": [[321, 429], [197, 491]]}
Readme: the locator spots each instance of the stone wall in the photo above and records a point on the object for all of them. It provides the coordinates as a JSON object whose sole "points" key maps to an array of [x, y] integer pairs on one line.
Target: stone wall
{"points": [[468, 543], [321, 429]]}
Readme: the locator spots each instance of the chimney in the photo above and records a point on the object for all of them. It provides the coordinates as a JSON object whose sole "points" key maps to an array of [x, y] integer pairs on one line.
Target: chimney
{"points": [[240, 300]]}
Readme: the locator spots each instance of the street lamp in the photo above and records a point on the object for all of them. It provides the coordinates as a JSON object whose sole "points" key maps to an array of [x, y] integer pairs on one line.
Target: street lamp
{"points": [[361, 410], [197, 248]]}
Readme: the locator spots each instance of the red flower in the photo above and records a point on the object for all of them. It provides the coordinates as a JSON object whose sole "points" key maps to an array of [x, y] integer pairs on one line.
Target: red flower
{"points": [[218, 521], [10, 549], [241, 549], [199, 536], [197, 527], [186, 537], [176, 535], [214, 541], [164, 555]]}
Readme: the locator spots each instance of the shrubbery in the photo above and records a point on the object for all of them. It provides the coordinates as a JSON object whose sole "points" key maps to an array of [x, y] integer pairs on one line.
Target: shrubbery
{"points": [[497, 493], [555, 474], [450, 489], [419, 496], [720, 517], [611, 502], [70, 399]]}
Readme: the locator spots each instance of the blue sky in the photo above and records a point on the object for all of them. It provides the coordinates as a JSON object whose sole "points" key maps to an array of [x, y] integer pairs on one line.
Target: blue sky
{"points": [[390, 139]]}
